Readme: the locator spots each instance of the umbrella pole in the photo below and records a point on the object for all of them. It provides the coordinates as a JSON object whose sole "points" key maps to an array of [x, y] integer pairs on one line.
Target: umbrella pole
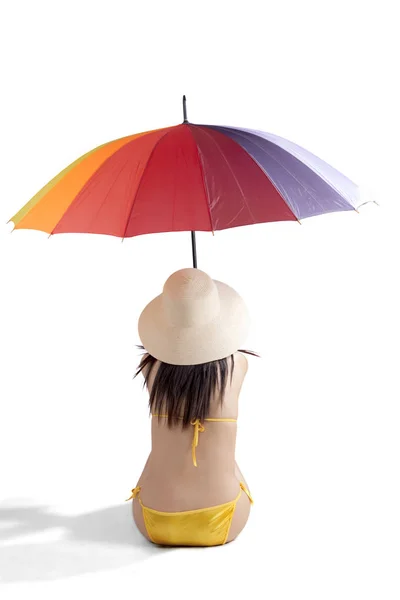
{"points": [[194, 249], [194, 253]]}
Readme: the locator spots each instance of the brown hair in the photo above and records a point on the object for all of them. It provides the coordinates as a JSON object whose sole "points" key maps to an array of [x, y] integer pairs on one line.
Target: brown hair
{"points": [[183, 392]]}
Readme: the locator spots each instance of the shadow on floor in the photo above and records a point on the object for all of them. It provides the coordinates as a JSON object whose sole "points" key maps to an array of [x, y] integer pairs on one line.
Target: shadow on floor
{"points": [[95, 541]]}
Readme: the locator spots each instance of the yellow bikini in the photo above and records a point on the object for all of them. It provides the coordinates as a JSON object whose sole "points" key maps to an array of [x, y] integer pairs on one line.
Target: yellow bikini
{"points": [[200, 527]]}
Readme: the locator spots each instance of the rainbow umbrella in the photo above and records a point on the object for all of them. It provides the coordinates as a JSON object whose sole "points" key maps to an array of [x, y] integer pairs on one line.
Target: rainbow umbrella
{"points": [[186, 178]]}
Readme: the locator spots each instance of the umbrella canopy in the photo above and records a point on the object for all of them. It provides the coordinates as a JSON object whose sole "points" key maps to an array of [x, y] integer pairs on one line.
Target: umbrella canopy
{"points": [[186, 178]]}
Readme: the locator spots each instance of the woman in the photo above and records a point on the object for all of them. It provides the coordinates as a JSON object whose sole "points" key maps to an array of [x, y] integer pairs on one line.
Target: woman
{"points": [[191, 492]]}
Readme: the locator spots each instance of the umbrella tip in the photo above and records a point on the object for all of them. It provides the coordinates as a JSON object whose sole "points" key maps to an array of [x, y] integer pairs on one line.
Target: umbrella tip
{"points": [[185, 119]]}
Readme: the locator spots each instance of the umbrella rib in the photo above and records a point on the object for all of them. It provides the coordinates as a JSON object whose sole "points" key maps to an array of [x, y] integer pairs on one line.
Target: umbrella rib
{"points": [[93, 174], [203, 179], [108, 193], [141, 179], [233, 174]]}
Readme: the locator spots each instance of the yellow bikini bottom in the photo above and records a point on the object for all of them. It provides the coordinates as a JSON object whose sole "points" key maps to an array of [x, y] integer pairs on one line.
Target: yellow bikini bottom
{"points": [[200, 527]]}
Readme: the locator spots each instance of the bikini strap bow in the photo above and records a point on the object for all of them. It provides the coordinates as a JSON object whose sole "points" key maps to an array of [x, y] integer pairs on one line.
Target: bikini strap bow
{"points": [[134, 493], [198, 428]]}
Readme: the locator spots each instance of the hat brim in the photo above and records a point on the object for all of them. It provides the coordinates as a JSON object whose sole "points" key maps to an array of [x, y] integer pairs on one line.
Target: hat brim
{"points": [[217, 339]]}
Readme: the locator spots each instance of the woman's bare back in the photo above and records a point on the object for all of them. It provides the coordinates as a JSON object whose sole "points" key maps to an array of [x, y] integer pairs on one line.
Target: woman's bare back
{"points": [[171, 483]]}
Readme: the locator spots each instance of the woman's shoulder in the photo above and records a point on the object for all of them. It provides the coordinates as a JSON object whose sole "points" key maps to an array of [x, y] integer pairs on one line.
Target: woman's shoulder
{"points": [[240, 359]]}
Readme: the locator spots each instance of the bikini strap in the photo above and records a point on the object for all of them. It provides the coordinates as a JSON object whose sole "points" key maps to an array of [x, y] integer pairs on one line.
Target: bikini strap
{"points": [[226, 420], [246, 491], [134, 493], [198, 428]]}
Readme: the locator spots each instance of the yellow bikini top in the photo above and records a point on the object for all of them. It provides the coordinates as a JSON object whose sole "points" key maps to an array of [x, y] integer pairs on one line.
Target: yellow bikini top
{"points": [[198, 428]]}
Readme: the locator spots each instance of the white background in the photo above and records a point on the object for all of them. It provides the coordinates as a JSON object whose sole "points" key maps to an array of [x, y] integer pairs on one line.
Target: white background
{"points": [[318, 437]]}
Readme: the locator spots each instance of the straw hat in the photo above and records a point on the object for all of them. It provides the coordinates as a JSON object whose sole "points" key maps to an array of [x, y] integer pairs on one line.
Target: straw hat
{"points": [[195, 320]]}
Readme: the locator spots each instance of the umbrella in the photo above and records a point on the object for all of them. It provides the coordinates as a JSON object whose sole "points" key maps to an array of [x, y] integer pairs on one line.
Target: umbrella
{"points": [[187, 178]]}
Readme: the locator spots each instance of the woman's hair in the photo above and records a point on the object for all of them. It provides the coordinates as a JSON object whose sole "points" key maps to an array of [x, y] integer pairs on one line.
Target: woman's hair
{"points": [[183, 392]]}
